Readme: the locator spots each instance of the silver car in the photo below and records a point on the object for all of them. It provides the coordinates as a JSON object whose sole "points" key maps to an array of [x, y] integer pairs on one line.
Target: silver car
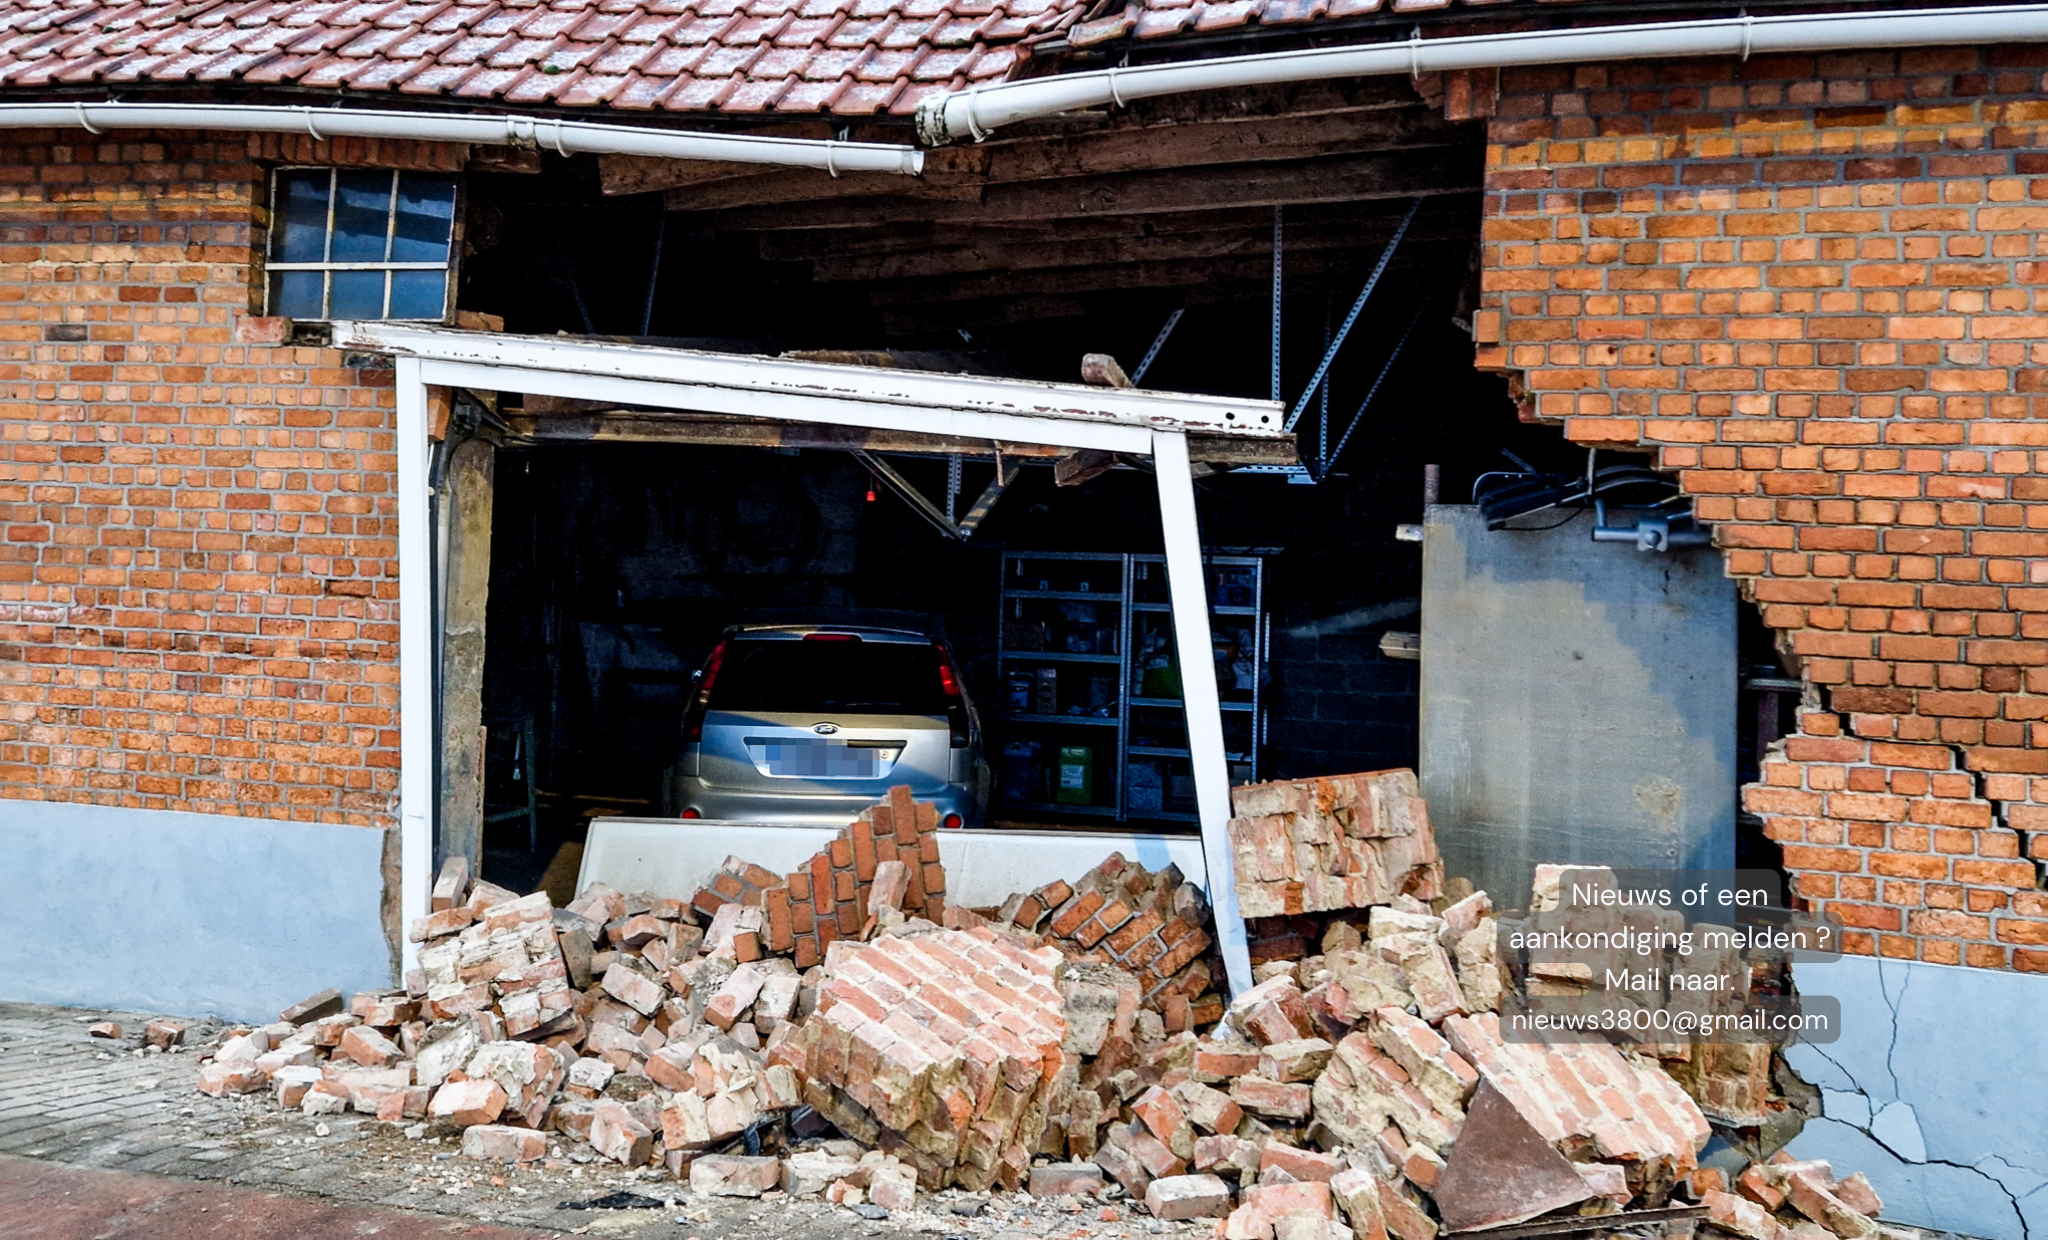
{"points": [[814, 722]]}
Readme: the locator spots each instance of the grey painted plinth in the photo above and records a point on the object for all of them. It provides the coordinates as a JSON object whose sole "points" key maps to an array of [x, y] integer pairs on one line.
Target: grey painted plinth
{"points": [[195, 914]]}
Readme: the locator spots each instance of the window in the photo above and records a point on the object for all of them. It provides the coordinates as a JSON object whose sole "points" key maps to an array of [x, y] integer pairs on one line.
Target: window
{"points": [[879, 678], [360, 244]]}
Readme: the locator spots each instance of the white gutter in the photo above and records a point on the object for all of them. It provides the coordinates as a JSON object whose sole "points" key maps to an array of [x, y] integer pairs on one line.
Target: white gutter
{"points": [[974, 112], [563, 137]]}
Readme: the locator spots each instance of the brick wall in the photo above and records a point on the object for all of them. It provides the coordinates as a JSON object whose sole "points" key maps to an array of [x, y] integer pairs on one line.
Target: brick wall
{"points": [[198, 583], [1813, 287]]}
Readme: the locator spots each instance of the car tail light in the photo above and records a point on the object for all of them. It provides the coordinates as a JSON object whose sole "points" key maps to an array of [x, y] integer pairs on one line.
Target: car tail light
{"points": [[693, 719], [691, 812], [951, 822], [831, 637], [956, 701]]}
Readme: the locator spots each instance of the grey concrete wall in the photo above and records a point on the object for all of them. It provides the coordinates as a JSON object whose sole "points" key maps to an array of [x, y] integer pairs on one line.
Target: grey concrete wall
{"points": [[1578, 702], [189, 914], [1933, 1092]]}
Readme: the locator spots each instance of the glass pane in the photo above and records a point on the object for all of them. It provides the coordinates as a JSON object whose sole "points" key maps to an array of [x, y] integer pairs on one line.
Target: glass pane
{"points": [[357, 295], [881, 678], [426, 219], [418, 294], [362, 217], [299, 224], [296, 294]]}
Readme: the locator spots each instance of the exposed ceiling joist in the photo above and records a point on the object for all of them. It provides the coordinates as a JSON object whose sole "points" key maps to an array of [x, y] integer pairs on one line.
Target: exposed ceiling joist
{"points": [[998, 254], [1447, 212], [1344, 178], [1168, 273]]}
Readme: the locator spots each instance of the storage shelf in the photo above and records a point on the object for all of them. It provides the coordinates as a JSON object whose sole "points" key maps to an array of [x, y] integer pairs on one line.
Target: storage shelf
{"points": [[1092, 596], [1155, 751], [1056, 656], [1121, 618], [1175, 703], [1213, 610]]}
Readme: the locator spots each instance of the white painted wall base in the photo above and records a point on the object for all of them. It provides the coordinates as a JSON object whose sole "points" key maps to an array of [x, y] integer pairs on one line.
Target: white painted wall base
{"points": [[670, 857], [1934, 1093]]}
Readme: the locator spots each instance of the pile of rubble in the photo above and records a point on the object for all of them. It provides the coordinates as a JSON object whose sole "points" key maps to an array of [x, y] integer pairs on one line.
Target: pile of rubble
{"points": [[1786, 1199], [1052, 1044]]}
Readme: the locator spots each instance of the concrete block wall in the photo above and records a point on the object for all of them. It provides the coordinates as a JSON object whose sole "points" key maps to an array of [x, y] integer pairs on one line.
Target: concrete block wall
{"points": [[198, 575], [1811, 285]]}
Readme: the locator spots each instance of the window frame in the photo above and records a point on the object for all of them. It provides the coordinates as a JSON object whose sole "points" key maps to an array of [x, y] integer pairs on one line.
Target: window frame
{"points": [[327, 267]]}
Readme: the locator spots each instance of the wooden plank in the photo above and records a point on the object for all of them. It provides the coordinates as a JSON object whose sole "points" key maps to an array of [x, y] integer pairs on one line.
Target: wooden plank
{"points": [[814, 243], [811, 185], [640, 174], [1343, 178], [1172, 273], [465, 553], [1001, 255], [1136, 148], [701, 429]]}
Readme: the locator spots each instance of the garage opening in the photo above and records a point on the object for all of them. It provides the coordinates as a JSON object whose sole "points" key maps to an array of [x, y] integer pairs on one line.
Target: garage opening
{"points": [[624, 543]]}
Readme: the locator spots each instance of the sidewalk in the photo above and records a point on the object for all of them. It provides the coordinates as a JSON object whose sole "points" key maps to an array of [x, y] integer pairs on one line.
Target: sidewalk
{"points": [[49, 1201], [67, 1098]]}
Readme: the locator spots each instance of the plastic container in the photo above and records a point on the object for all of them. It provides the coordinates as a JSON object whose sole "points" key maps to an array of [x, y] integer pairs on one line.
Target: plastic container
{"points": [[1075, 776]]}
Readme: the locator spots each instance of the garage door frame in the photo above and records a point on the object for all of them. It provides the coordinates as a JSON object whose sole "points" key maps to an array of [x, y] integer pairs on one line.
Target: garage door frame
{"points": [[1125, 421]]}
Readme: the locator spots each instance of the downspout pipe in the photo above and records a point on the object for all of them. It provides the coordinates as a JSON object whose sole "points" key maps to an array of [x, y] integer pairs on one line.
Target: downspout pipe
{"points": [[975, 112], [500, 129]]}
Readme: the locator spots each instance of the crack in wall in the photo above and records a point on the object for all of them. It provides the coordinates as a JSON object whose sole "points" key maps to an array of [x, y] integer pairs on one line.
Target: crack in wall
{"points": [[1872, 1109]]}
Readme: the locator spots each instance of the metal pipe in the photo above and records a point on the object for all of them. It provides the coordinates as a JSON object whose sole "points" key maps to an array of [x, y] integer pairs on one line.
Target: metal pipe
{"points": [[977, 111], [498, 129]]}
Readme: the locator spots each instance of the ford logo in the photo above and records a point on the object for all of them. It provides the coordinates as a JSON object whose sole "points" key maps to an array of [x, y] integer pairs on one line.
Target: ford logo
{"points": [[825, 729]]}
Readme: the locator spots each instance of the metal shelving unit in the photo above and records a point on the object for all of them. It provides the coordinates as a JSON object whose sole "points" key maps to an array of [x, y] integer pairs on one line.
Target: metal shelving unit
{"points": [[1053, 655], [1062, 653], [1239, 630]]}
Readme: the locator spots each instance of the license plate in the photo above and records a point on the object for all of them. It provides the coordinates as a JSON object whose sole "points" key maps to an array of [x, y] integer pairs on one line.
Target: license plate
{"points": [[803, 758]]}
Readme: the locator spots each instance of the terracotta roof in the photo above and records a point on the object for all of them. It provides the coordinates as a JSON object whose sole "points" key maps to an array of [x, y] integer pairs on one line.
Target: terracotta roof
{"points": [[1159, 19], [849, 57]]}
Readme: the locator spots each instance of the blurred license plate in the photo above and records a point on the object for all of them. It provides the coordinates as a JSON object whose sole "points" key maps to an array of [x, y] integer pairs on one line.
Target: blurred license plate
{"points": [[822, 759]]}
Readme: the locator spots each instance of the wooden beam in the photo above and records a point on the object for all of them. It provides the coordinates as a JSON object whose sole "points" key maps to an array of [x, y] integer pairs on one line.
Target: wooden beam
{"points": [[825, 243], [1135, 147], [1125, 149], [948, 317], [710, 431], [639, 174], [1344, 178], [465, 553], [642, 174], [998, 254], [1080, 465], [811, 185], [1336, 255]]}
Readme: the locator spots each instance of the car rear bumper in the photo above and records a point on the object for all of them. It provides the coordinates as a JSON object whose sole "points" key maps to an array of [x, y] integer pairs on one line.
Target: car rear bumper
{"points": [[687, 792]]}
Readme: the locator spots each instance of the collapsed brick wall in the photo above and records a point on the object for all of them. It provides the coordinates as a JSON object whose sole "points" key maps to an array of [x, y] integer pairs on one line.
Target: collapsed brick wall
{"points": [[1810, 285], [198, 579]]}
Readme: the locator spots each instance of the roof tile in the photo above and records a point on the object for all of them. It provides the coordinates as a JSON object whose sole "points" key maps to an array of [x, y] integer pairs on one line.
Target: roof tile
{"points": [[853, 57]]}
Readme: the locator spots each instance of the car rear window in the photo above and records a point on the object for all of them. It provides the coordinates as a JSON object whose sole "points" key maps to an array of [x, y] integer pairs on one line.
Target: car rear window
{"points": [[877, 678]]}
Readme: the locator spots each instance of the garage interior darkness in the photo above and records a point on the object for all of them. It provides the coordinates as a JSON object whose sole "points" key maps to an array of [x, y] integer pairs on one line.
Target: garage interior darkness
{"points": [[615, 560]]}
